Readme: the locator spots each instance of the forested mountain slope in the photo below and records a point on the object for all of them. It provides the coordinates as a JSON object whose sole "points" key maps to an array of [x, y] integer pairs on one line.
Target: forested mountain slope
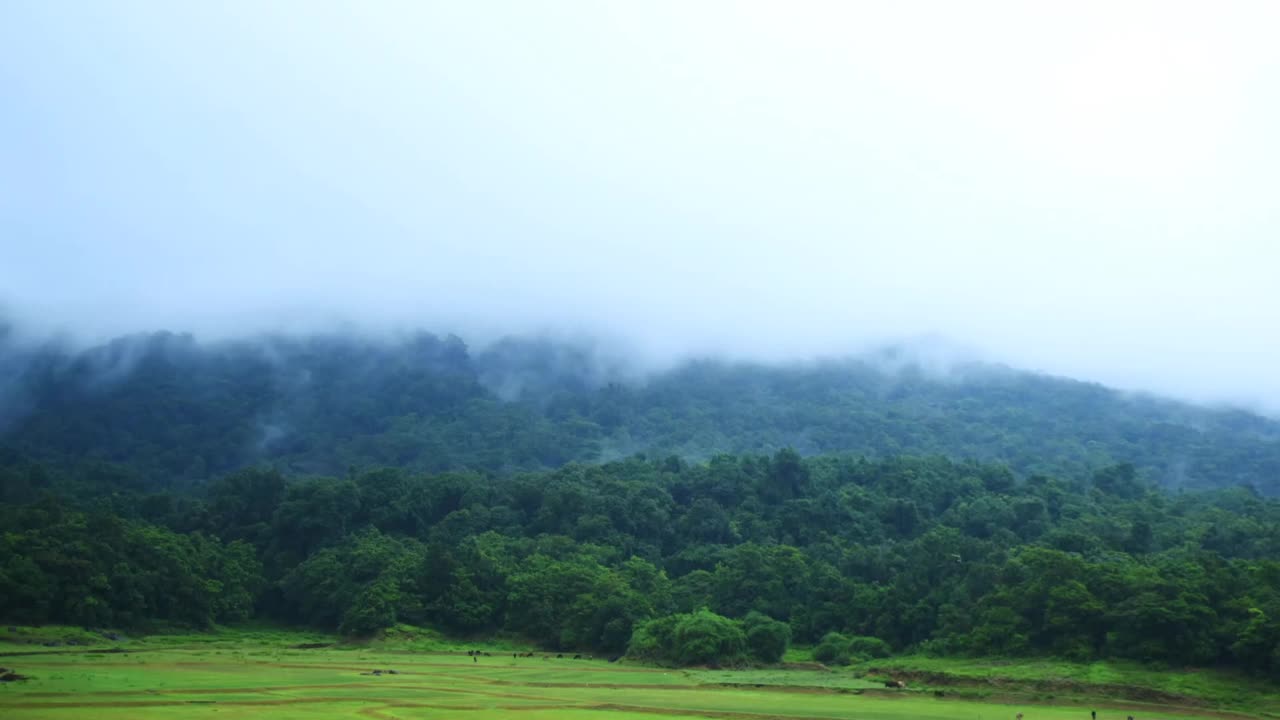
{"points": [[165, 411], [895, 554]]}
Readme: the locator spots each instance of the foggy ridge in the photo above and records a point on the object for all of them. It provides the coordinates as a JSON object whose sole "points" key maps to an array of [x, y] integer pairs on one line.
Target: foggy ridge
{"points": [[175, 411]]}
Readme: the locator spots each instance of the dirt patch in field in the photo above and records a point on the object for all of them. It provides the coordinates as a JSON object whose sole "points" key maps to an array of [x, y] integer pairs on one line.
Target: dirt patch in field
{"points": [[1070, 687], [805, 666], [1009, 691], [76, 651], [691, 712]]}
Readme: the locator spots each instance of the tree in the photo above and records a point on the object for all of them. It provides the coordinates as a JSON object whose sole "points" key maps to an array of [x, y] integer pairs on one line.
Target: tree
{"points": [[767, 639]]}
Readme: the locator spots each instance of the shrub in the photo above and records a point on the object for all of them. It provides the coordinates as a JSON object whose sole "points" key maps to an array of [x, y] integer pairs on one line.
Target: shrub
{"points": [[704, 637], [697, 638], [767, 639], [654, 640], [833, 650], [862, 646]]}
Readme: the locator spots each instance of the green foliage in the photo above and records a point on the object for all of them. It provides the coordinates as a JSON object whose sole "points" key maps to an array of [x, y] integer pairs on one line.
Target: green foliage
{"points": [[862, 647], [360, 586], [833, 650], [163, 411], [767, 639], [697, 638], [601, 557], [95, 569]]}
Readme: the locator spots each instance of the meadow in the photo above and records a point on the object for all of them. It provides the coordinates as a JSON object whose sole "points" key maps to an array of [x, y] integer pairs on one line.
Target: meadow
{"points": [[287, 675]]}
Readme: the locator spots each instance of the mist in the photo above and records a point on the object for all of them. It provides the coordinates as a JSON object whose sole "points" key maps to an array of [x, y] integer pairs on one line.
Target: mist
{"points": [[1086, 191]]}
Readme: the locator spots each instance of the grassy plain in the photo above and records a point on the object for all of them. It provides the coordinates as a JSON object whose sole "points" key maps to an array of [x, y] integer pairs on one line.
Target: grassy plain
{"points": [[266, 673]]}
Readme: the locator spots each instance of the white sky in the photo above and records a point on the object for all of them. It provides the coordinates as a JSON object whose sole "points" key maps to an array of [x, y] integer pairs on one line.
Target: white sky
{"points": [[1091, 189]]}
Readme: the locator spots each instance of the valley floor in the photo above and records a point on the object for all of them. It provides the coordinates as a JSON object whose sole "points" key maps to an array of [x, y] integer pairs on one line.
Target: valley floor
{"points": [[285, 675]]}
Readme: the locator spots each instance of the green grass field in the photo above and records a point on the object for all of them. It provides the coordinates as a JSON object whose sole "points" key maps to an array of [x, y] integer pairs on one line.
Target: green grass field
{"points": [[247, 673]]}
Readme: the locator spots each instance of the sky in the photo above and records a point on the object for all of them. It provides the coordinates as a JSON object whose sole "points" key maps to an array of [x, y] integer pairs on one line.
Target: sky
{"points": [[1087, 189]]}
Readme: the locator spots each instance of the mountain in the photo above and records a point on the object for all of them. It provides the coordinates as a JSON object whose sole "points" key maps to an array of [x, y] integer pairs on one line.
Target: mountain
{"points": [[163, 410]]}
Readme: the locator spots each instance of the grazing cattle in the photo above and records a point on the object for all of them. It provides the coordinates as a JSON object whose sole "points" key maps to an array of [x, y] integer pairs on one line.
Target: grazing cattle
{"points": [[559, 655], [577, 657], [895, 684], [392, 672]]}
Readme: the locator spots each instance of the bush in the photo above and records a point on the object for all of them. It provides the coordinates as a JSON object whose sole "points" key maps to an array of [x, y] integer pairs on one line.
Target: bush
{"points": [[704, 637], [698, 638], [767, 639], [837, 649], [654, 640], [833, 650], [862, 646]]}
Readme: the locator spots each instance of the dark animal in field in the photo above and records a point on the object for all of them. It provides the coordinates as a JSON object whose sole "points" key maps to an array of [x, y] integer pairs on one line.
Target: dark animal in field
{"points": [[12, 677], [615, 658], [577, 657], [392, 672], [487, 655], [559, 655], [895, 684]]}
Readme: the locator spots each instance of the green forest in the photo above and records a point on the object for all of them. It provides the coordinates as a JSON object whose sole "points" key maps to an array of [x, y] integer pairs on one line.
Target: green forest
{"points": [[841, 506], [163, 410], [682, 562]]}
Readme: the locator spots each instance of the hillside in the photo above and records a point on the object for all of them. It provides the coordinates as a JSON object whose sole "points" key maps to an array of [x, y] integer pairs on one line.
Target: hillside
{"points": [[418, 482], [163, 410]]}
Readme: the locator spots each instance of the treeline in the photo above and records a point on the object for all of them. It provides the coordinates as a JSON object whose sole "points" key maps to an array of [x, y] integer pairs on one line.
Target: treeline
{"points": [[169, 412], [746, 553]]}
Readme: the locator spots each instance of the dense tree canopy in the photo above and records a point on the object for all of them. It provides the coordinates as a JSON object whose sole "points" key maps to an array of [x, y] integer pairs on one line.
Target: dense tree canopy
{"points": [[711, 513], [165, 411], [720, 562]]}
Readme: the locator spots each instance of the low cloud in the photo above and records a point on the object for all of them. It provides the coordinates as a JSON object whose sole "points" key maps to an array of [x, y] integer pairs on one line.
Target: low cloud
{"points": [[1092, 199]]}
